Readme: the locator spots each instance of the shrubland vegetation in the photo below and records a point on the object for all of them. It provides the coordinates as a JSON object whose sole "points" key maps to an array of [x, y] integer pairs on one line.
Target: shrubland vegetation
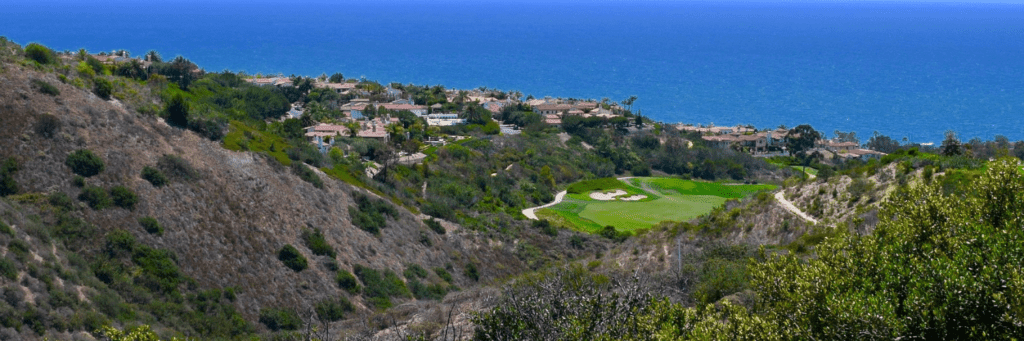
{"points": [[941, 263]]}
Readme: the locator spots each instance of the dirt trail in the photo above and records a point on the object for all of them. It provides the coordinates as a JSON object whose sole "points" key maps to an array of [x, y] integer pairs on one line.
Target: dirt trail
{"points": [[792, 208]]}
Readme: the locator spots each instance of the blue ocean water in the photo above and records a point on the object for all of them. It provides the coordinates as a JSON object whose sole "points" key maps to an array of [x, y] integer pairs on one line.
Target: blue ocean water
{"points": [[909, 70]]}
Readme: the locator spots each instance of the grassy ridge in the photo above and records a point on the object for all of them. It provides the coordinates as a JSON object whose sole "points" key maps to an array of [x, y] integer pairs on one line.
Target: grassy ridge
{"points": [[602, 184]]}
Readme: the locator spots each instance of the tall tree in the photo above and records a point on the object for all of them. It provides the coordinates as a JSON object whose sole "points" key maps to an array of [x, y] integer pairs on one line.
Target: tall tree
{"points": [[951, 145], [801, 139]]}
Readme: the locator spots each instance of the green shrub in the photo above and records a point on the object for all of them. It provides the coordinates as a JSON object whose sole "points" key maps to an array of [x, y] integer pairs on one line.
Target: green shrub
{"points": [[334, 309], [381, 284], [441, 272], [96, 197], [434, 225], [60, 201], [347, 281], [78, 181], [83, 162], [280, 319], [8, 269], [47, 125], [119, 243], [102, 88], [611, 233], [427, 291], [45, 87], [576, 241], [292, 258], [307, 174], [124, 197], [414, 271], [18, 247], [471, 271], [40, 54], [151, 225], [369, 214], [316, 242], [6, 229], [154, 176], [7, 184]]}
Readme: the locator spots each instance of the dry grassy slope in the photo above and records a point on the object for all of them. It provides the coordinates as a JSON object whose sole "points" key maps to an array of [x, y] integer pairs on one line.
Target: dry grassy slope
{"points": [[832, 202], [227, 226]]}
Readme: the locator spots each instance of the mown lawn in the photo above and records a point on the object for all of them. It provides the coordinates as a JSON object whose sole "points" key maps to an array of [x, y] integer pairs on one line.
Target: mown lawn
{"points": [[669, 199]]}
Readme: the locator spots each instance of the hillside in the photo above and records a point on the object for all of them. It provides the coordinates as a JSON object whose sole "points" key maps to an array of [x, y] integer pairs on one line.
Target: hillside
{"points": [[224, 223]]}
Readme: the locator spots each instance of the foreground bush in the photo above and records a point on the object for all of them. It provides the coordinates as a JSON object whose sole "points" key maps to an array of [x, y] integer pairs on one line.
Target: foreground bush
{"points": [[83, 162], [937, 267]]}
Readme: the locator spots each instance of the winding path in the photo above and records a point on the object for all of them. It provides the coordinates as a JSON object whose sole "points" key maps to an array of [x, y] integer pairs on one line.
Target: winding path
{"points": [[529, 212], [792, 208]]}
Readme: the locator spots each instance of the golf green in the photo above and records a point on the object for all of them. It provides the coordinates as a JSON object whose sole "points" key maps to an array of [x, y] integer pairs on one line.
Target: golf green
{"points": [[670, 199]]}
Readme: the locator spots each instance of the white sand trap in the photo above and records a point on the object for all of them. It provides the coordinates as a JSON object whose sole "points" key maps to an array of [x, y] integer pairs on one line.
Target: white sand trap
{"points": [[634, 198], [606, 196]]}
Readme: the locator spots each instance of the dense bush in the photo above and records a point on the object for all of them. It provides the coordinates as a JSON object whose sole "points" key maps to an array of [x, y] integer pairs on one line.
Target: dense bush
{"points": [[150, 225], [433, 291], [279, 319], [96, 197], [434, 225], [381, 286], [154, 176], [334, 309], [8, 269], [347, 281], [471, 272], [316, 242], [292, 258], [83, 162], [60, 201], [102, 88], [413, 271], [443, 274], [611, 233], [40, 54], [124, 197], [369, 214], [45, 87], [7, 184]]}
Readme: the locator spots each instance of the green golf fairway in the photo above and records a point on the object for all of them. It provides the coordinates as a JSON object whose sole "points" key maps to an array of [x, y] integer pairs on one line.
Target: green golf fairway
{"points": [[668, 199]]}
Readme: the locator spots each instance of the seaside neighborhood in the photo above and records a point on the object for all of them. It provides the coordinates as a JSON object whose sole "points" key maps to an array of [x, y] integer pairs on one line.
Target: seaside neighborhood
{"points": [[355, 101]]}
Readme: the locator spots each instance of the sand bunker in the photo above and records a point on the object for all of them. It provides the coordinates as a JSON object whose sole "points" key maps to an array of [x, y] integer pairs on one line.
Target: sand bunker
{"points": [[634, 198], [606, 196]]}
